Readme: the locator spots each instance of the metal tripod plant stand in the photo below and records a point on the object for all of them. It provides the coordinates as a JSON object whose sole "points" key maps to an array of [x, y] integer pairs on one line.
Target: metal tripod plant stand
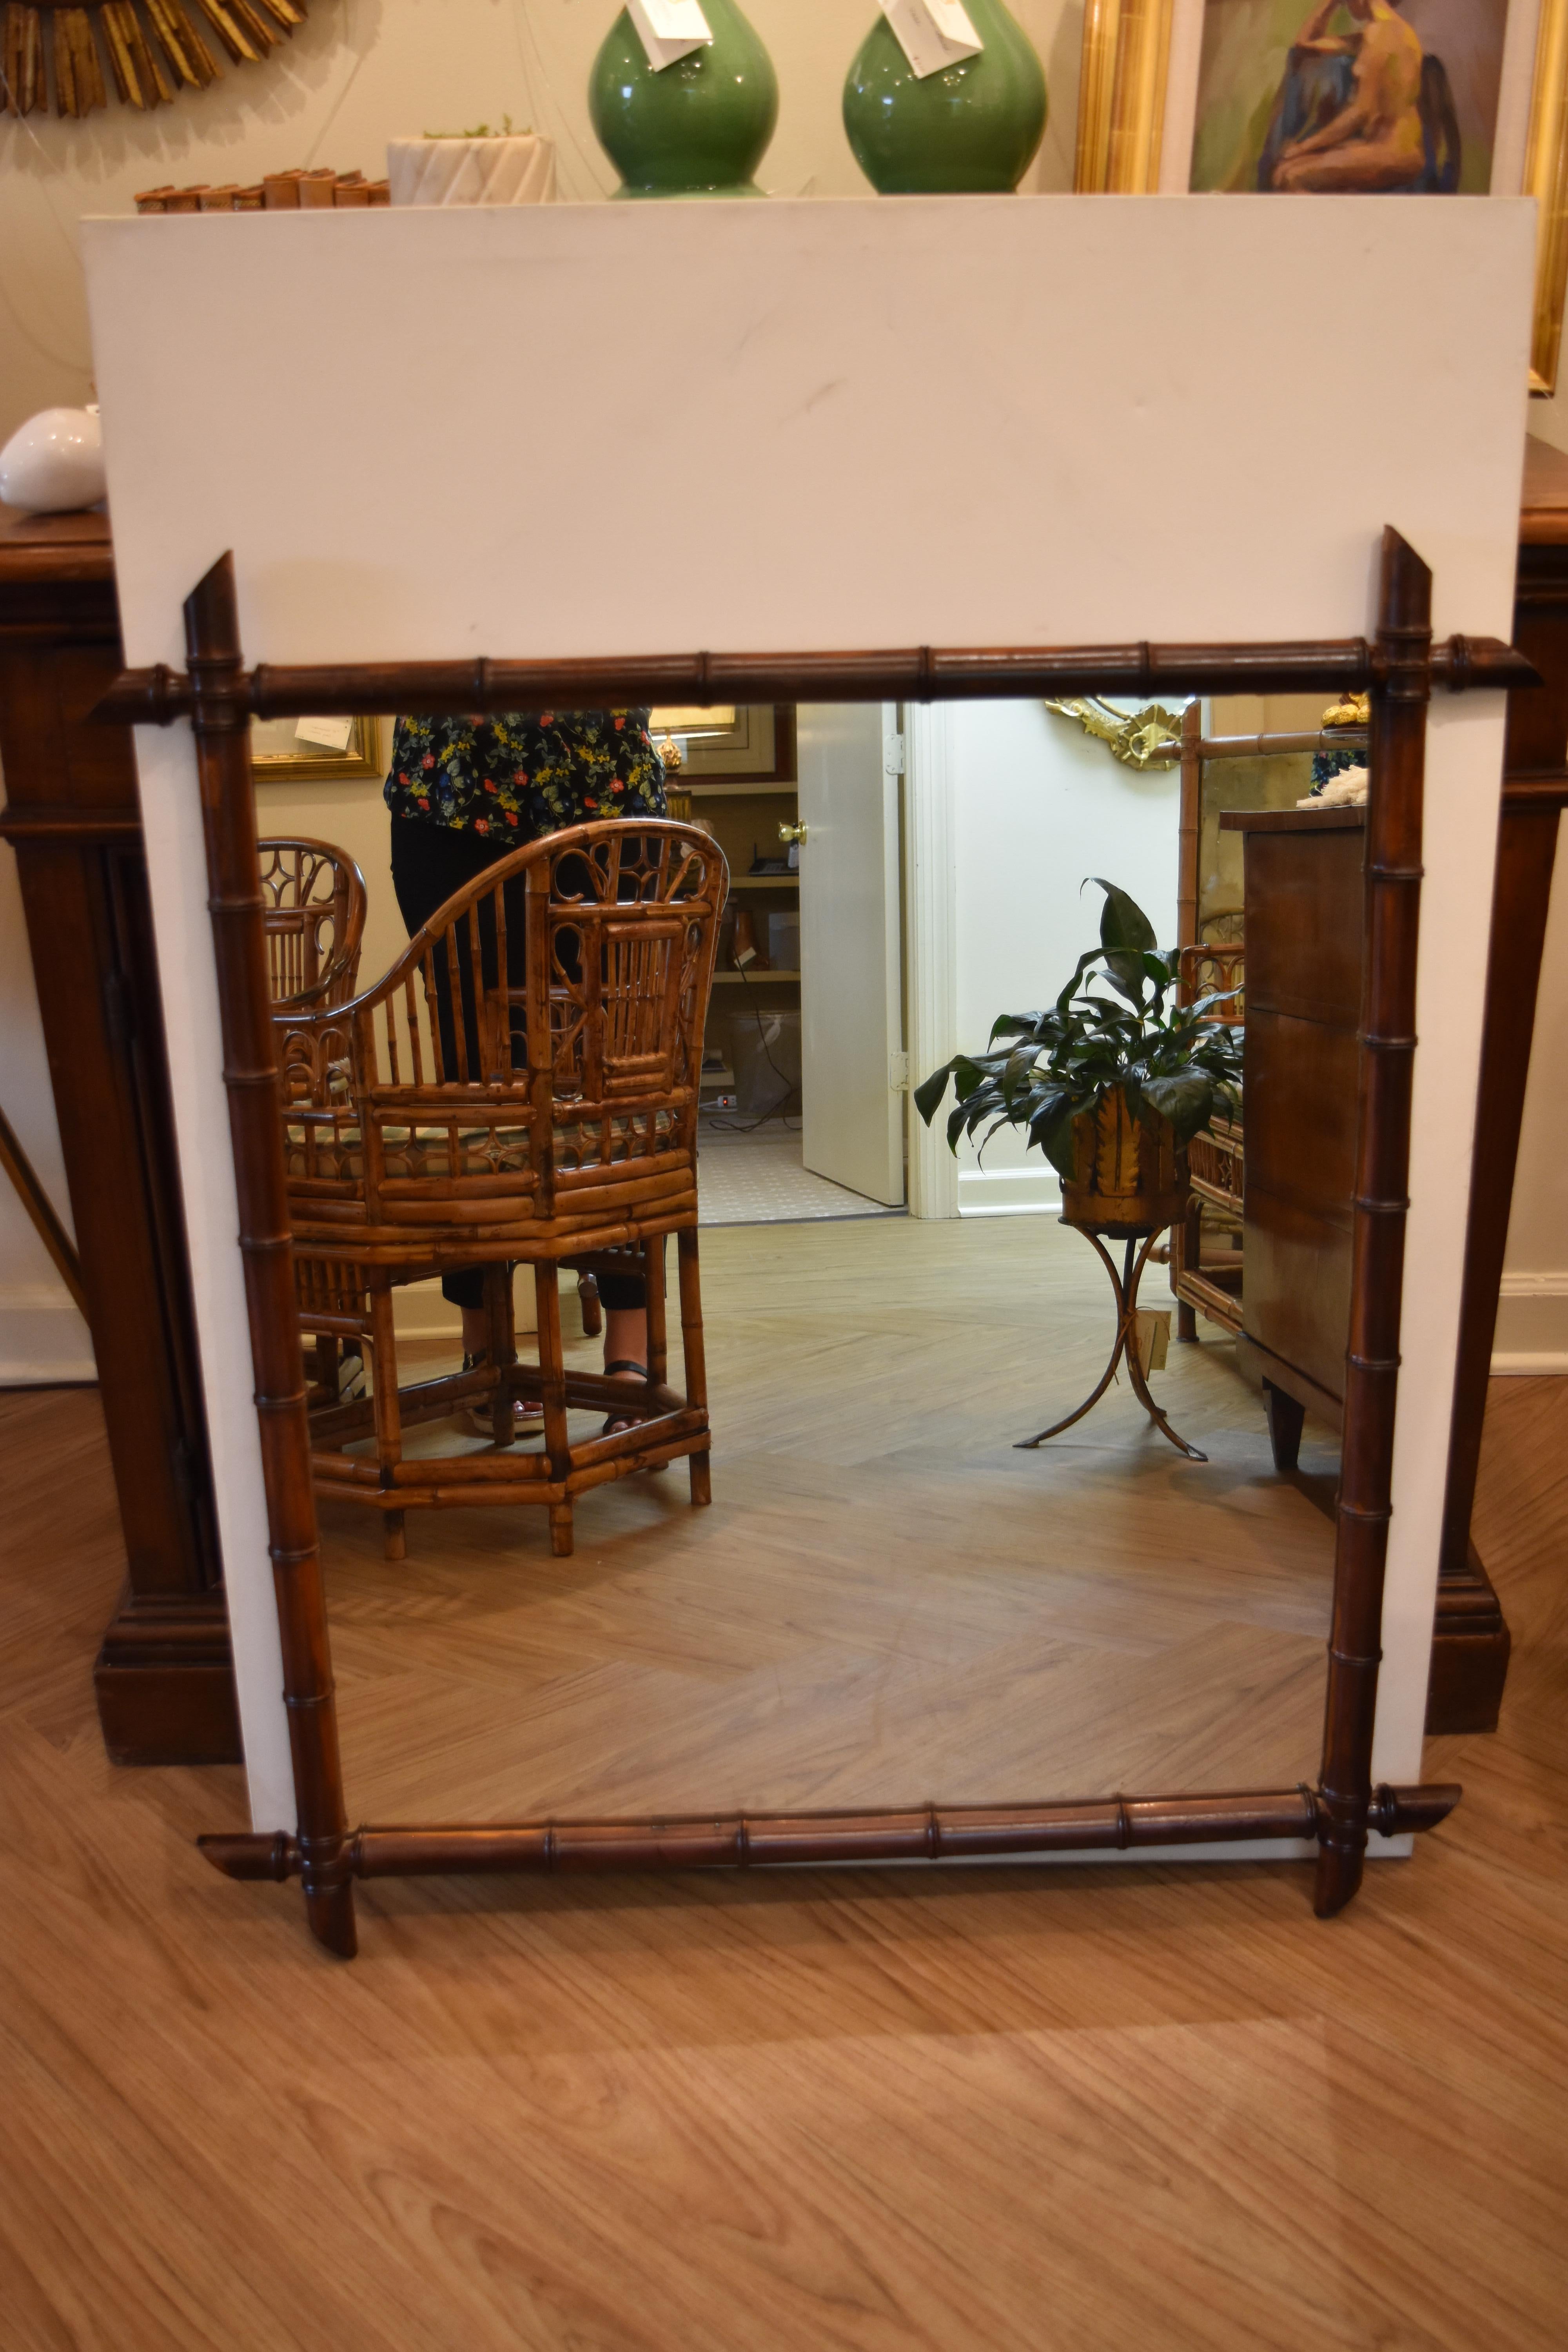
{"points": [[1125, 1286]]}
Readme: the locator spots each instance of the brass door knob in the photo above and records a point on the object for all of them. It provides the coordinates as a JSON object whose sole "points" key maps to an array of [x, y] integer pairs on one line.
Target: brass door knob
{"points": [[795, 833]]}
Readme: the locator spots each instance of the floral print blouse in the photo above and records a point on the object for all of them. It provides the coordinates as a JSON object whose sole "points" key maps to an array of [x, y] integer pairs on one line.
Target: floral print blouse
{"points": [[525, 773]]}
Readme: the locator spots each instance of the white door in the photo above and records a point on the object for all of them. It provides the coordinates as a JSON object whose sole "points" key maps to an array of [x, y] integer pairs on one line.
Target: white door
{"points": [[851, 1027]]}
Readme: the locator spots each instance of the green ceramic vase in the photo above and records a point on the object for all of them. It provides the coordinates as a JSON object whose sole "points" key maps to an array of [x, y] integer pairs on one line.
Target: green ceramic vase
{"points": [[699, 128], [974, 128]]}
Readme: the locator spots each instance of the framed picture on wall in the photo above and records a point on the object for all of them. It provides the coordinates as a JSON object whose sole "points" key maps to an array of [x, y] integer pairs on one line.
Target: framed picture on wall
{"points": [[1337, 97], [750, 743], [312, 750]]}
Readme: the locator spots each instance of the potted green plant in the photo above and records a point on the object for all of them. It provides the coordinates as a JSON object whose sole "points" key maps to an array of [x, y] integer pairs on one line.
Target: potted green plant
{"points": [[1110, 1088]]}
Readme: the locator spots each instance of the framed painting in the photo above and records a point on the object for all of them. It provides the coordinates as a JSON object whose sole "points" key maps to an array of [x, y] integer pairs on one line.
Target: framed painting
{"points": [[1347, 97], [315, 749], [1337, 97]]}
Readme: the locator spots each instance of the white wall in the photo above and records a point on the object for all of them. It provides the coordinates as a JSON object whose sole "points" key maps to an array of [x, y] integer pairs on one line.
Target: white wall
{"points": [[1037, 805], [42, 1336], [1532, 1314], [361, 71]]}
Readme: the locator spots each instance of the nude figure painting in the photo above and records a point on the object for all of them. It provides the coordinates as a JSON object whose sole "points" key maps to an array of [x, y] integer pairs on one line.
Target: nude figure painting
{"points": [[1349, 97]]}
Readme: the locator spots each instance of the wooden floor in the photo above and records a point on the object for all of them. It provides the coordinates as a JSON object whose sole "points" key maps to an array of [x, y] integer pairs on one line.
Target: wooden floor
{"points": [[887, 1602], [1082, 2108]]}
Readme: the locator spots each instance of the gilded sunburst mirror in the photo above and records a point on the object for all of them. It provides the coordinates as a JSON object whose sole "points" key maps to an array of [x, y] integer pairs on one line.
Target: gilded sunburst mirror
{"points": [[149, 49]]}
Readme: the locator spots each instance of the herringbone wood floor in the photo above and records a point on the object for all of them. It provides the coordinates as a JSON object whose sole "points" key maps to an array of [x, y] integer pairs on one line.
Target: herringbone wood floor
{"points": [[887, 1602], [991, 2108]]}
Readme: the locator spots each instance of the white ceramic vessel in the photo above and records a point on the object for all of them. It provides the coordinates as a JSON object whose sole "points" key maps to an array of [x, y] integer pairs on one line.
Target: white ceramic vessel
{"points": [[509, 170], [54, 462]]}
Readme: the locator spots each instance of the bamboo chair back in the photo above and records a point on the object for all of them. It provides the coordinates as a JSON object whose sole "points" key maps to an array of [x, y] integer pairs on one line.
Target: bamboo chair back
{"points": [[524, 1080], [313, 903], [1214, 969], [1214, 1157]]}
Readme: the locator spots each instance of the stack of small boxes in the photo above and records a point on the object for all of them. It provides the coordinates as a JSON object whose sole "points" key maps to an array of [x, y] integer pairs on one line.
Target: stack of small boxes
{"points": [[279, 192]]}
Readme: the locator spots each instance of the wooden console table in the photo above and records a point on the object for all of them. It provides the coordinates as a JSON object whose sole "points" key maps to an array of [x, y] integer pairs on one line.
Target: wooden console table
{"points": [[1469, 1654], [164, 1678]]}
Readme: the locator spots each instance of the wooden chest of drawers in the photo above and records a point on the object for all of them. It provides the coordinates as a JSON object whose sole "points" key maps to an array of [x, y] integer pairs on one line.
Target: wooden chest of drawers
{"points": [[1304, 944]]}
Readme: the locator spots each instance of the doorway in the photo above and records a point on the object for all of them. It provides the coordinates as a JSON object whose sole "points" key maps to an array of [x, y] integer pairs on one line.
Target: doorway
{"points": [[804, 1073]]}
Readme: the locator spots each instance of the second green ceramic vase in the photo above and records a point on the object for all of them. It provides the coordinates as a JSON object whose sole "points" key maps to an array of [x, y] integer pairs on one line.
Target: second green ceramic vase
{"points": [[699, 128], [974, 128]]}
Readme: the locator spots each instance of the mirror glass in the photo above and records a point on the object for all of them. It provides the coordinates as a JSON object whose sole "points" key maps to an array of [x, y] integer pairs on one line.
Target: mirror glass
{"points": [[891, 1599]]}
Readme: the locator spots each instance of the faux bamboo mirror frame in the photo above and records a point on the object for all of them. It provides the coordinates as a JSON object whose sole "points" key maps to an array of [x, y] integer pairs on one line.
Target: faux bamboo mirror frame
{"points": [[1399, 669]]}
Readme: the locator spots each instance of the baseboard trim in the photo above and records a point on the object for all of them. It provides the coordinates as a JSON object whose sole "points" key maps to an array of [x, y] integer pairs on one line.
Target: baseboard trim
{"points": [[1532, 1335], [1009, 1192], [44, 1343]]}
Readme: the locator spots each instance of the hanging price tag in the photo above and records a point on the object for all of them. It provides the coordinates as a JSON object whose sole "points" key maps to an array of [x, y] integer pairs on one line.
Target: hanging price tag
{"points": [[932, 33], [333, 732], [669, 29]]}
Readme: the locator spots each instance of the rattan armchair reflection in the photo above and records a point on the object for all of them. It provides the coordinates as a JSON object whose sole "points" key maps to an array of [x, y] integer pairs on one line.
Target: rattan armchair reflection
{"points": [[314, 900], [521, 1086]]}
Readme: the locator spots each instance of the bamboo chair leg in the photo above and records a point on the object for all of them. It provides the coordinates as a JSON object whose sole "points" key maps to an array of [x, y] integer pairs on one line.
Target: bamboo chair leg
{"points": [[501, 1345], [658, 1330], [388, 1419], [553, 1392], [588, 1299], [697, 1465], [657, 1334]]}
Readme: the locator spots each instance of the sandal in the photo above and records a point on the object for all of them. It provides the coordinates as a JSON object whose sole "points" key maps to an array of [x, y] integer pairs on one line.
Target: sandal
{"points": [[527, 1420], [615, 1423]]}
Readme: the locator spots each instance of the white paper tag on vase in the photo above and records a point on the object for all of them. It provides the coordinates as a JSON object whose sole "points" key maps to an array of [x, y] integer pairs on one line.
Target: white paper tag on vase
{"points": [[932, 33], [669, 29]]}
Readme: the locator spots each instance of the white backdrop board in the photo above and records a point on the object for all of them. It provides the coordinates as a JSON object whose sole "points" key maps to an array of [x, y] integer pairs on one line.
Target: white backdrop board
{"points": [[946, 421]]}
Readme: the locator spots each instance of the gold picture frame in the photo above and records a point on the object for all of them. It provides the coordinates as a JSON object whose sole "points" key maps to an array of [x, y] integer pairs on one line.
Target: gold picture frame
{"points": [[274, 760], [1125, 64], [1546, 179], [1123, 75]]}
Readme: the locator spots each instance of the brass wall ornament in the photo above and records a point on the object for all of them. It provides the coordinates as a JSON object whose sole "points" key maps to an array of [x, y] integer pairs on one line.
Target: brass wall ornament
{"points": [[152, 49], [1147, 739]]}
